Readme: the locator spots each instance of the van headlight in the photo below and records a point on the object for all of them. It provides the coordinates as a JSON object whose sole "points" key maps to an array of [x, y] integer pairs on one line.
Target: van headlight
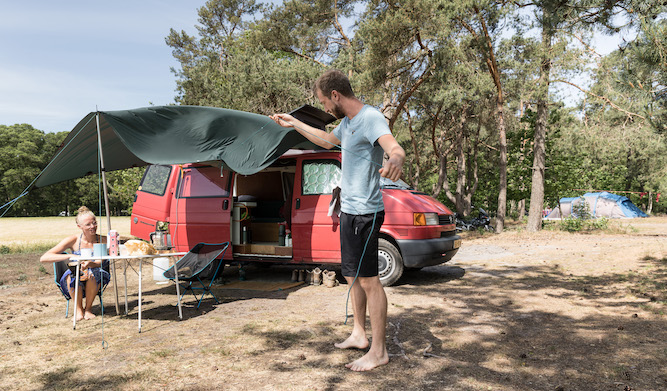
{"points": [[422, 219]]}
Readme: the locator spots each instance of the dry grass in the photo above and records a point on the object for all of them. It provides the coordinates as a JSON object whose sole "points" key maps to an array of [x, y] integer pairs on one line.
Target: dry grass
{"points": [[515, 311], [21, 234]]}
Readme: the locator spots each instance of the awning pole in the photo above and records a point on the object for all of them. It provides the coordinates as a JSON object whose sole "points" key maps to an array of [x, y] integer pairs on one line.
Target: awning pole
{"points": [[106, 202]]}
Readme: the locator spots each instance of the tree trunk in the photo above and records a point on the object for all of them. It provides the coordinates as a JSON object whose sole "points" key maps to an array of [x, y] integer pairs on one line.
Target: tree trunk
{"points": [[441, 152], [461, 177], [539, 160], [472, 180], [415, 149], [502, 188], [494, 70]]}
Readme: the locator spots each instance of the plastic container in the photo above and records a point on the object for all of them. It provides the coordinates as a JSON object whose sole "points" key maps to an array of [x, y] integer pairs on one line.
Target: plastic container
{"points": [[112, 241], [159, 267], [100, 249]]}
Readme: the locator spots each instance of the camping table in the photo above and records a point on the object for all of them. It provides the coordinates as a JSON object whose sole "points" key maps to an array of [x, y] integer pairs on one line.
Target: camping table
{"points": [[114, 258]]}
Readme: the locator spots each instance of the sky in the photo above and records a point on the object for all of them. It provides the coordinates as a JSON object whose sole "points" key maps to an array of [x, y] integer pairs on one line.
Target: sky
{"points": [[60, 60]]}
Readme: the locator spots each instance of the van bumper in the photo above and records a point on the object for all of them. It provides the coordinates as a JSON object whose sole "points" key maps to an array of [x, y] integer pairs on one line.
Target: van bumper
{"points": [[428, 252]]}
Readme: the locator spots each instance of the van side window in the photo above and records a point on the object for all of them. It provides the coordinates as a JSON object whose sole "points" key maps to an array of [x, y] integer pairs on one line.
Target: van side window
{"points": [[204, 182], [320, 176], [155, 179]]}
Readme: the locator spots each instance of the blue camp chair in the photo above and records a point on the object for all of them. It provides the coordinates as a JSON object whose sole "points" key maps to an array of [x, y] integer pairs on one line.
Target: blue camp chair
{"points": [[198, 265], [59, 268]]}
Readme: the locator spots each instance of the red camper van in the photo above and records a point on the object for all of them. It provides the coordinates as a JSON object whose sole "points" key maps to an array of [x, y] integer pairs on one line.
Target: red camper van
{"points": [[280, 214]]}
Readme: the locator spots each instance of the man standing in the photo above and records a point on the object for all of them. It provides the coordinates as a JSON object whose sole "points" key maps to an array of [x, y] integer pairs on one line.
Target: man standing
{"points": [[363, 135]]}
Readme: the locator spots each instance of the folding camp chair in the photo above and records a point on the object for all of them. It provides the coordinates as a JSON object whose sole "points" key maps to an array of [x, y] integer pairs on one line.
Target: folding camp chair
{"points": [[196, 266], [59, 268]]}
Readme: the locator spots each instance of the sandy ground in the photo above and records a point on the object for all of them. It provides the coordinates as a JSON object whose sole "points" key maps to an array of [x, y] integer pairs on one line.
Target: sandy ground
{"points": [[515, 311]]}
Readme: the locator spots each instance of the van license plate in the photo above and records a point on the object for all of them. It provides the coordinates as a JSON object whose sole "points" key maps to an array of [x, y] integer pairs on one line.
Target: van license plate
{"points": [[457, 243]]}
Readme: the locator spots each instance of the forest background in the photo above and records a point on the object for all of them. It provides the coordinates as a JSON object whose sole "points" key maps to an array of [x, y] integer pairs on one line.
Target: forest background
{"points": [[471, 89]]}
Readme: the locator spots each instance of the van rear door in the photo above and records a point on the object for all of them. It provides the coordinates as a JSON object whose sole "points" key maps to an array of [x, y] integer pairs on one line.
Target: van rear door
{"points": [[152, 202], [201, 211]]}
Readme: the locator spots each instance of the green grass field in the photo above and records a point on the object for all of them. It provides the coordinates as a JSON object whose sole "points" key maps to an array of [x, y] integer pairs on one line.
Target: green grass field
{"points": [[27, 234]]}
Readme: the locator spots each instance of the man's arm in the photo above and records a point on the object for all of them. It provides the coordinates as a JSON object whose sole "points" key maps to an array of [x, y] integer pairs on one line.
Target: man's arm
{"points": [[393, 167], [316, 136]]}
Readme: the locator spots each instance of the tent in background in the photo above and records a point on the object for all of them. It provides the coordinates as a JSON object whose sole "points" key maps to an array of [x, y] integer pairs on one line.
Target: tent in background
{"points": [[602, 204]]}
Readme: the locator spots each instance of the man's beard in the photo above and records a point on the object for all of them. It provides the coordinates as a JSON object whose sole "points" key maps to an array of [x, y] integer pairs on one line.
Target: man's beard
{"points": [[337, 112]]}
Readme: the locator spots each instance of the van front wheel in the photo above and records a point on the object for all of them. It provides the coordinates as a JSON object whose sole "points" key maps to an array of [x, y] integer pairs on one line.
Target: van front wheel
{"points": [[390, 262]]}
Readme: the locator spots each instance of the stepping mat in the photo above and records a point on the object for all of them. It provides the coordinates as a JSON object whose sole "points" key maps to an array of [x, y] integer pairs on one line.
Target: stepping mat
{"points": [[267, 286]]}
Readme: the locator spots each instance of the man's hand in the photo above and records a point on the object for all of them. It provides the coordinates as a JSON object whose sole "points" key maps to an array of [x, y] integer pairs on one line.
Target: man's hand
{"points": [[284, 120], [314, 135], [392, 168]]}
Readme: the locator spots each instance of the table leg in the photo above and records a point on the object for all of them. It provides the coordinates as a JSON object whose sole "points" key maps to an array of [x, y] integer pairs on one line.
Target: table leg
{"points": [[76, 293], [125, 277], [115, 285], [140, 263]]}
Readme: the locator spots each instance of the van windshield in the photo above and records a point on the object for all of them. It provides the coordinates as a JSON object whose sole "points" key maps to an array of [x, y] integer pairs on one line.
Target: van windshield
{"points": [[399, 184]]}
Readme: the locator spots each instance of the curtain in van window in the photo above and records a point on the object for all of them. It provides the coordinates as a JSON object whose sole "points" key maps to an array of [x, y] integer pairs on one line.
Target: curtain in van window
{"points": [[320, 177]]}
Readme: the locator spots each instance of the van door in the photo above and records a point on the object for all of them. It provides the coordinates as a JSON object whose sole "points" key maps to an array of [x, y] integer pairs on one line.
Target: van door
{"points": [[152, 202], [315, 236], [201, 211]]}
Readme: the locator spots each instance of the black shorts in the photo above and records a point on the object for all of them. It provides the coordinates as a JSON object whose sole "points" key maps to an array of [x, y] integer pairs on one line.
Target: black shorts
{"points": [[354, 232]]}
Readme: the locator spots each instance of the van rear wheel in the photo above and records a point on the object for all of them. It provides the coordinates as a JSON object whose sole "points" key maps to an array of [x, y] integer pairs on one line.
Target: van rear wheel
{"points": [[390, 262]]}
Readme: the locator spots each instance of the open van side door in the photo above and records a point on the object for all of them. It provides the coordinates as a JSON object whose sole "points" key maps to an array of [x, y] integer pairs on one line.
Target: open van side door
{"points": [[315, 235]]}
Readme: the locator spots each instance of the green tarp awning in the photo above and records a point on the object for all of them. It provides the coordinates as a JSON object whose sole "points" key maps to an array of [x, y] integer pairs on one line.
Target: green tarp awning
{"points": [[243, 142]]}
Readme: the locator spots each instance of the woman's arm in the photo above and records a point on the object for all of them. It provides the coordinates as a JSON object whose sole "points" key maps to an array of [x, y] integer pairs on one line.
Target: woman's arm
{"points": [[55, 254]]}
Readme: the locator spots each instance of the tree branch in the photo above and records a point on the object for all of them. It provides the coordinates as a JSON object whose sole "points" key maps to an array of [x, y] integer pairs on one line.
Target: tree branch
{"points": [[630, 114], [339, 28], [290, 50], [587, 46]]}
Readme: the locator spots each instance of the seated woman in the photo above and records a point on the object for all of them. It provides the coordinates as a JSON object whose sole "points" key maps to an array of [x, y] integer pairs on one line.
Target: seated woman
{"points": [[92, 273]]}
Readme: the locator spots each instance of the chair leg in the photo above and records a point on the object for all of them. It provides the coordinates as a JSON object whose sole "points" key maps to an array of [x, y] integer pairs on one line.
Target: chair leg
{"points": [[67, 309], [186, 289], [210, 293], [206, 290]]}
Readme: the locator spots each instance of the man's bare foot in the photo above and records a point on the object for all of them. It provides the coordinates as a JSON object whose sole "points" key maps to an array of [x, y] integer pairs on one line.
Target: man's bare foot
{"points": [[368, 362], [353, 342], [89, 315]]}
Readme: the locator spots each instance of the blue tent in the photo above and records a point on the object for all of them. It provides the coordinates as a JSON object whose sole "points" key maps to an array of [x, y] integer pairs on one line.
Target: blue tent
{"points": [[602, 204]]}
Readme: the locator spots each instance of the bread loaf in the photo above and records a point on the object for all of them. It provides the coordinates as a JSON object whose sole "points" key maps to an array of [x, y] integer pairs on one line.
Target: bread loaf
{"points": [[139, 247]]}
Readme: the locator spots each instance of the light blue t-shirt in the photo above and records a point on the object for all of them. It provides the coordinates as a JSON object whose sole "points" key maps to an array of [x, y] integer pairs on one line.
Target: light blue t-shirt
{"points": [[360, 179]]}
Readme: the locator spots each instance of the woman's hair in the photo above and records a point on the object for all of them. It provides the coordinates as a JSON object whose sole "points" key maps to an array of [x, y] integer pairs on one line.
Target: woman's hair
{"points": [[333, 79], [82, 211]]}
